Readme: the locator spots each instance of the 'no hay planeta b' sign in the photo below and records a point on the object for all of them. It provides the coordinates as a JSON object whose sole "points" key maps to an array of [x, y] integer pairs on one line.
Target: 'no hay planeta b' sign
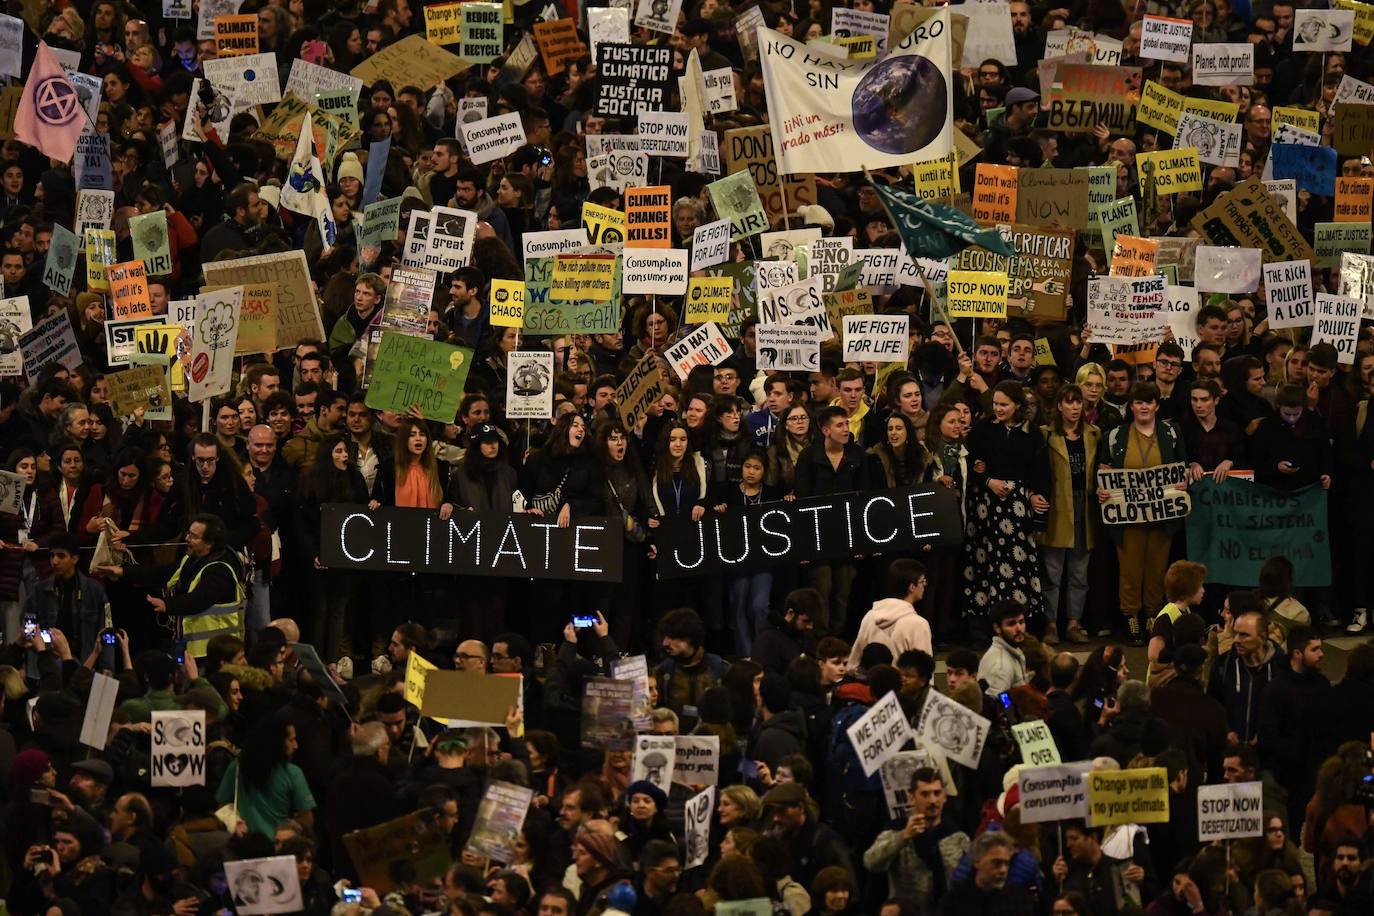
{"points": [[470, 543], [819, 528]]}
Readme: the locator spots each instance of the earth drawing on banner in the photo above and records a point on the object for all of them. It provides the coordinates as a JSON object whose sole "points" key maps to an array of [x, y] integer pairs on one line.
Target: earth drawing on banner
{"points": [[900, 105]]}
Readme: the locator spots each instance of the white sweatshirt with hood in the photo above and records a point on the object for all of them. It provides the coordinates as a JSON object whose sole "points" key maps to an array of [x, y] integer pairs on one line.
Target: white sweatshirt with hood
{"points": [[893, 623]]}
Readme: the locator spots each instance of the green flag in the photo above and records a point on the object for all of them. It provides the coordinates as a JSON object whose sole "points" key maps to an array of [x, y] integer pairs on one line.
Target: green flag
{"points": [[935, 230]]}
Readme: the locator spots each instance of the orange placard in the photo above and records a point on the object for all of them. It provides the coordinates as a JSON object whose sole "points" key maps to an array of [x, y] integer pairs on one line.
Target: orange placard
{"points": [[235, 35], [129, 290], [559, 44], [1354, 200], [1135, 354], [648, 217], [1134, 257], [994, 193]]}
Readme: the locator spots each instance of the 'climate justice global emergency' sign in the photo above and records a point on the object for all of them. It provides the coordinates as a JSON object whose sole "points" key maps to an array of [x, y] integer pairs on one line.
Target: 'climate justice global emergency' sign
{"points": [[819, 528], [470, 543]]}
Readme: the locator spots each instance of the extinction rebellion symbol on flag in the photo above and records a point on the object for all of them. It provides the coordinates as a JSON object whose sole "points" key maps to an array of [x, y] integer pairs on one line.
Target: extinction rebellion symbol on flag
{"points": [[55, 101]]}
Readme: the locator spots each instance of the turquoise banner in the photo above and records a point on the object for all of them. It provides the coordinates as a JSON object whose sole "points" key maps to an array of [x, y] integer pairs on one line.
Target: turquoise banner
{"points": [[1235, 526]]}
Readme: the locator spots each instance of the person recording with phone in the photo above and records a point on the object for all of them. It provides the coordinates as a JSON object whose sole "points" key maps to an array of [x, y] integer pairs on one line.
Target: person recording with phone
{"points": [[72, 601]]}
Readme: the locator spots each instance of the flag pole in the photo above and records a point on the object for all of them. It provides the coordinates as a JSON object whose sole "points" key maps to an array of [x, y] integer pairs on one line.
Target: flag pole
{"points": [[920, 271]]}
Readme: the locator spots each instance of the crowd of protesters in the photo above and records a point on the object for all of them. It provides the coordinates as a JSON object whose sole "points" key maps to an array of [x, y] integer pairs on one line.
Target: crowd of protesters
{"points": [[184, 557]]}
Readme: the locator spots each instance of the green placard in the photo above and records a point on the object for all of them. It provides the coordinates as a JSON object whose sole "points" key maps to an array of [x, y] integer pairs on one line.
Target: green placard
{"points": [[417, 371], [544, 316], [1330, 239]]}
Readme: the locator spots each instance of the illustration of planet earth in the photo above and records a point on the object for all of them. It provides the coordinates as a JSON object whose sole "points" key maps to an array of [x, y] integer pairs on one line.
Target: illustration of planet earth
{"points": [[900, 105]]}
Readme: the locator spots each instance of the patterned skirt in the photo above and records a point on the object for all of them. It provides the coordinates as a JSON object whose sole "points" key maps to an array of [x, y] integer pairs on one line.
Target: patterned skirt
{"points": [[1001, 557]]}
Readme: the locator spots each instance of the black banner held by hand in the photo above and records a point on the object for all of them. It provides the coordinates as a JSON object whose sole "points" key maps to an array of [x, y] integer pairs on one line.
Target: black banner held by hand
{"points": [[820, 528], [470, 543]]}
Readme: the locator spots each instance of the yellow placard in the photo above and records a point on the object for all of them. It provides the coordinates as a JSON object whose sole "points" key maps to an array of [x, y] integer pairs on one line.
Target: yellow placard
{"points": [[444, 23], [1133, 256], [582, 277], [1173, 171], [604, 225], [708, 299], [859, 46], [1128, 797], [1364, 19], [1160, 108], [1044, 356], [1302, 118], [507, 303], [417, 669], [977, 293], [100, 254], [937, 179], [171, 340]]}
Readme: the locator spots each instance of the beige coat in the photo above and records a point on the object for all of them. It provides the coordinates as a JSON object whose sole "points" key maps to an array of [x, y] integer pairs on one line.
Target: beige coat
{"points": [[1059, 532]]}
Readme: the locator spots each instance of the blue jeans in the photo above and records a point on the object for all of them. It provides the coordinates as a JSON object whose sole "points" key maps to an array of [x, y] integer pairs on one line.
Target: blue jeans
{"points": [[749, 605], [259, 611]]}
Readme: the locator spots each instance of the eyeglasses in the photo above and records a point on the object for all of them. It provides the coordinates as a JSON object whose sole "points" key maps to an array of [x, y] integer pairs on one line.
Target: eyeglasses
{"points": [[470, 658], [1168, 364]]}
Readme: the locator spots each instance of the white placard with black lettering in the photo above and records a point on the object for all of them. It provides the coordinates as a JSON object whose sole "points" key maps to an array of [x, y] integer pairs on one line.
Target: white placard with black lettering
{"points": [[213, 115], [788, 347], [1164, 38], [1338, 323], [1224, 64], [658, 15], [529, 385], [1217, 142], [1288, 290], [880, 733], [269, 885], [654, 759], [876, 338], [493, 138], [1230, 811], [1183, 306], [711, 244], [697, 760], [720, 90], [953, 728], [1323, 30], [450, 239], [553, 242], [705, 346], [697, 815], [250, 78], [1053, 793], [846, 23], [654, 272], [664, 133], [178, 748], [12, 487]]}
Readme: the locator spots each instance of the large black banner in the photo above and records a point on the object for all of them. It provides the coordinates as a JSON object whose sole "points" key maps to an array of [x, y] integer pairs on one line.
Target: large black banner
{"points": [[471, 543], [820, 528], [632, 78]]}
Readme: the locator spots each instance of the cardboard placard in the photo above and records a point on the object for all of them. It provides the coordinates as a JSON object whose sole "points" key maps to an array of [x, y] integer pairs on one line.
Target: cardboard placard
{"points": [[1145, 495], [469, 696], [642, 387], [141, 386], [417, 839], [559, 44]]}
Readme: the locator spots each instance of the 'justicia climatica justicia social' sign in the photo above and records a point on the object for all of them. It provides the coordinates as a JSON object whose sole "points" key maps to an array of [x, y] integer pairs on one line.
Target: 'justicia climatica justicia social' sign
{"points": [[819, 528]]}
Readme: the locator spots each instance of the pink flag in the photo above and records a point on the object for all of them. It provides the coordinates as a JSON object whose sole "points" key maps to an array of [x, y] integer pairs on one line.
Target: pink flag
{"points": [[50, 116]]}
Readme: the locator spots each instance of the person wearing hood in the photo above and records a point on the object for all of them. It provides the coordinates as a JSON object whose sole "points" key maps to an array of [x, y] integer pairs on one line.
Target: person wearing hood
{"points": [[781, 730], [894, 621]]}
